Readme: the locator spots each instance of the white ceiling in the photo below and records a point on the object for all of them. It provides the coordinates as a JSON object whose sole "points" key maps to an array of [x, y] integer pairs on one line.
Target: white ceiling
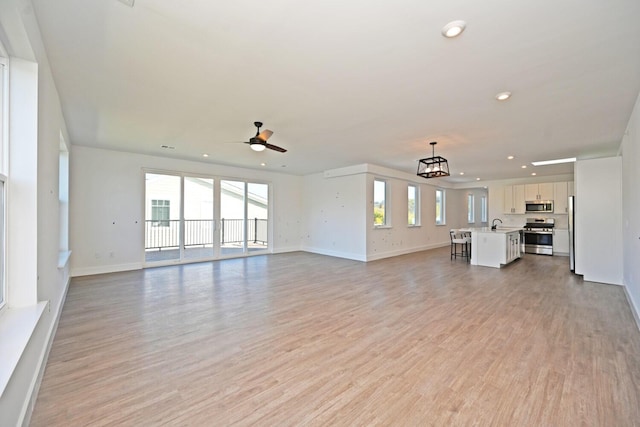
{"points": [[348, 82]]}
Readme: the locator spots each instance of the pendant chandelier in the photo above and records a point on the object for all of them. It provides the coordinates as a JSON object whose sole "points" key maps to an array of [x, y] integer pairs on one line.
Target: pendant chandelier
{"points": [[434, 166]]}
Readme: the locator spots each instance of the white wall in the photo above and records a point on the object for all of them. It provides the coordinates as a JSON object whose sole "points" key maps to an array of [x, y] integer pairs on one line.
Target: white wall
{"points": [[20, 35], [339, 212], [107, 206], [598, 231], [335, 215], [477, 209], [400, 238], [631, 210]]}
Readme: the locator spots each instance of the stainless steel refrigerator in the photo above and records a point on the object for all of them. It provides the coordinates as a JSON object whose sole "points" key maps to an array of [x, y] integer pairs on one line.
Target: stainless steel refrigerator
{"points": [[572, 233]]}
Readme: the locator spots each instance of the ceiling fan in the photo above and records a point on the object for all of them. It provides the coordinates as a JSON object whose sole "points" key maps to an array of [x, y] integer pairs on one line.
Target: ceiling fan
{"points": [[259, 142]]}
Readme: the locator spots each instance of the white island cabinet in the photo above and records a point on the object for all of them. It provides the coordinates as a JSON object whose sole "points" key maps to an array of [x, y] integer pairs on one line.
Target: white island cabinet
{"points": [[494, 248]]}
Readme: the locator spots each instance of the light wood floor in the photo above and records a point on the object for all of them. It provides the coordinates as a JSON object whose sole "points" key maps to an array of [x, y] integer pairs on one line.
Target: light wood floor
{"points": [[302, 339]]}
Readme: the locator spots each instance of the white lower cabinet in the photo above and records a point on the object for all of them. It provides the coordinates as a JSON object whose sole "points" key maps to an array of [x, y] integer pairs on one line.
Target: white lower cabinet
{"points": [[494, 248], [560, 241], [513, 247]]}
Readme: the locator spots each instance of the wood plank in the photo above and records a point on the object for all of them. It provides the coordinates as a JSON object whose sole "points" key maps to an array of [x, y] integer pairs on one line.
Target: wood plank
{"points": [[305, 339]]}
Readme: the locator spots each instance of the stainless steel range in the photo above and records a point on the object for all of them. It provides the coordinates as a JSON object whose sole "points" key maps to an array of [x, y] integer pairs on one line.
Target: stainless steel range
{"points": [[538, 236]]}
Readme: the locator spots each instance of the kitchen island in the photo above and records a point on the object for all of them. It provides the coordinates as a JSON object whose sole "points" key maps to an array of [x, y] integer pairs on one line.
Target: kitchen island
{"points": [[495, 248]]}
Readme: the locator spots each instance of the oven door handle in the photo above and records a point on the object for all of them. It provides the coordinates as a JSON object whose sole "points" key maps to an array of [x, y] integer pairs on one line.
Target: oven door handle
{"points": [[538, 232]]}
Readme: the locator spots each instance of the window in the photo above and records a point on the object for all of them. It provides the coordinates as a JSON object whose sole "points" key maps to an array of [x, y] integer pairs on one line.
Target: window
{"points": [[63, 194], [471, 217], [3, 287], [440, 211], [413, 205], [379, 202], [160, 212], [3, 162], [483, 209]]}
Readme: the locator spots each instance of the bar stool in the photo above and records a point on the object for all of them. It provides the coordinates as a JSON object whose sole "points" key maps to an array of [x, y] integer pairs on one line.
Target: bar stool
{"points": [[463, 239]]}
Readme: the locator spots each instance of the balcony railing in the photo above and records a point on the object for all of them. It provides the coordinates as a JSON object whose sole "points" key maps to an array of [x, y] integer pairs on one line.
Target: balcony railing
{"points": [[161, 234]]}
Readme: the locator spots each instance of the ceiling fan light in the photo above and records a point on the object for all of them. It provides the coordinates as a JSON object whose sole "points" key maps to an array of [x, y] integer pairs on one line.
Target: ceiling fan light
{"points": [[256, 146]]}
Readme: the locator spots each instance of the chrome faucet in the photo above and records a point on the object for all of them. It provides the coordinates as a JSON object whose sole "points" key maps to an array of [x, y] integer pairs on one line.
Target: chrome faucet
{"points": [[493, 223]]}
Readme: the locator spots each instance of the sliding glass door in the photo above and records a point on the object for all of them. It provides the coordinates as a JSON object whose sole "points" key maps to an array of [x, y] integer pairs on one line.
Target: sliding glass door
{"points": [[199, 224], [181, 212], [232, 217], [257, 217], [162, 217]]}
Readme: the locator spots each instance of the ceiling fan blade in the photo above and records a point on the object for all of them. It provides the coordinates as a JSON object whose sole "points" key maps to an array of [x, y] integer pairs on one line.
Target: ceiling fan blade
{"points": [[265, 134], [275, 148]]}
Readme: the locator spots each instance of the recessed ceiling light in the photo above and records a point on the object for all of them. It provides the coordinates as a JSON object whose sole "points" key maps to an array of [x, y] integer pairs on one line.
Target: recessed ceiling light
{"points": [[461, 173], [477, 179], [554, 162], [503, 96], [510, 157], [205, 155], [453, 29], [523, 166], [533, 174], [263, 164]]}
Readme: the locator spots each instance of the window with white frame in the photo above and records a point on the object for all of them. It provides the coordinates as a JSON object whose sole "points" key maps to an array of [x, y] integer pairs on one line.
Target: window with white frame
{"points": [[440, 207], [160, 212], [3, 179], [63, 194], [3, 287], [413, 205], [379, 202], [483, 209], [471, 217]]}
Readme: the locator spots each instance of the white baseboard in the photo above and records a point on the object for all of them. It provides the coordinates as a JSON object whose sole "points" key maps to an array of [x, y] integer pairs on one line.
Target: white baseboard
{"points": [[88, 271], [389, 254], [337, 254], [286, 250], [632, 305], [373, 257]]}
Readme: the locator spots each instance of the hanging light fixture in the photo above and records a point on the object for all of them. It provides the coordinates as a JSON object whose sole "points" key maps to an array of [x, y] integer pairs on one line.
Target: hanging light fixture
{"points": [[434, 166]]}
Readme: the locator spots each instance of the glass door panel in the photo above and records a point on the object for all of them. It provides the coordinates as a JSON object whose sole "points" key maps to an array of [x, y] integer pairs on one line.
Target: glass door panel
{"points": [[257, 217], [162, 217], [232, 218], [198, 218]]}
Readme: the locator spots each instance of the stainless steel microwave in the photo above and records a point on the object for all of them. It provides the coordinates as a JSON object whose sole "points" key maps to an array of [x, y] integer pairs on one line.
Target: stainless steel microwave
{"points": [[539, 206]]}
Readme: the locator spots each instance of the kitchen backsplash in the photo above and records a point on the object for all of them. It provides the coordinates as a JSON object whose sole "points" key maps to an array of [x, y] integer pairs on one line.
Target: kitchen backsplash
{"points": [[562, 221]]}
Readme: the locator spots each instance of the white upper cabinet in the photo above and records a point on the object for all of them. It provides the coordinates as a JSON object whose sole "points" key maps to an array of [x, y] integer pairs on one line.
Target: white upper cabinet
{"points": [[538, 191], [514, 199], [545, 191], [515, 196], [561, 197]]}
